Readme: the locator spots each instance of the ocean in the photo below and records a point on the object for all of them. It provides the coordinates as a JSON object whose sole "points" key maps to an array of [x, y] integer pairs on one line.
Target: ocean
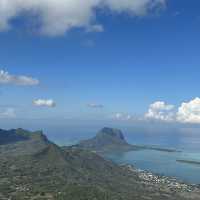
{"points": [[162, 163], [159, 162]]}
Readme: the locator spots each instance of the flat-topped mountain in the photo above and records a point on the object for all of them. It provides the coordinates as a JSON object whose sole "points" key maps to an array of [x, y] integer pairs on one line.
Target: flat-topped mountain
{"points": [[110, 135], [107, 140], [110, 140]]}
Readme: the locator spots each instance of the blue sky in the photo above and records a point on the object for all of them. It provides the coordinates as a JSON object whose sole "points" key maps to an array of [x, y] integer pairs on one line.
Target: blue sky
{"points": [[128, 62]]}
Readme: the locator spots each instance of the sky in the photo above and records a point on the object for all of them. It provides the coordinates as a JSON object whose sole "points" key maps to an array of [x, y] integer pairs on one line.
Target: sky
{"points": [[70, 61]]}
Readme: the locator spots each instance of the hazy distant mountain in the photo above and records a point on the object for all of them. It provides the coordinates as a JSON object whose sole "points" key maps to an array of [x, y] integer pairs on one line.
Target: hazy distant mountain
{"points": [[21, 142], [35, 168], [11, 136], [109, 140]]}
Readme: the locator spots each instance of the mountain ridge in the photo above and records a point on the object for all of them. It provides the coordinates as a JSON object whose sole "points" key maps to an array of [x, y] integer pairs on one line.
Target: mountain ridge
{"points": [[21, 142]]}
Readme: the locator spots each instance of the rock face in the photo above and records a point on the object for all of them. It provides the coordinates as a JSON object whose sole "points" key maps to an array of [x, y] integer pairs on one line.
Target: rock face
{"points": [[107, 140], [110, 135]]}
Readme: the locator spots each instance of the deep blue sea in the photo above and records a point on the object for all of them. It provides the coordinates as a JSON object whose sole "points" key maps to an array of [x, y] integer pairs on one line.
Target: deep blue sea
{"points": [[163, 163]]}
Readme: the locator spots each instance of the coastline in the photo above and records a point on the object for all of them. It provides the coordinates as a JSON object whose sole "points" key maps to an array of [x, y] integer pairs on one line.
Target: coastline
{"points": [[161, 181], [171, 183]]}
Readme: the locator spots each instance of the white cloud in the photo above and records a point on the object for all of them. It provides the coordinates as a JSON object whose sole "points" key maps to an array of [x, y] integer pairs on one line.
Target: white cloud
{"points": [[161, 111], [189, 112], [134, 7], [122, 116], [7, 113], [6, 78], [44, 102], [55, 17], [94, 105]]}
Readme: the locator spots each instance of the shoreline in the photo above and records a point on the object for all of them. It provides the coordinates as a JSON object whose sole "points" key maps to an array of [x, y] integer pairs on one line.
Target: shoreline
{"points": [[172, 183]]}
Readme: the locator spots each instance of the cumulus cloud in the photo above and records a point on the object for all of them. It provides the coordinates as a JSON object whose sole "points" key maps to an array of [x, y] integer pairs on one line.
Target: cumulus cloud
{"points": [[161, 111], [7, 113], [55, 17], [189, 112], [94, 105], [6, 78], [44, 102]]}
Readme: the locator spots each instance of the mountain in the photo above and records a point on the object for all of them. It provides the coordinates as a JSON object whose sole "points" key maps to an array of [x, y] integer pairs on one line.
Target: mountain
{"points": [[21, 142], [107, 140], [11, 136], [54, 173]]}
